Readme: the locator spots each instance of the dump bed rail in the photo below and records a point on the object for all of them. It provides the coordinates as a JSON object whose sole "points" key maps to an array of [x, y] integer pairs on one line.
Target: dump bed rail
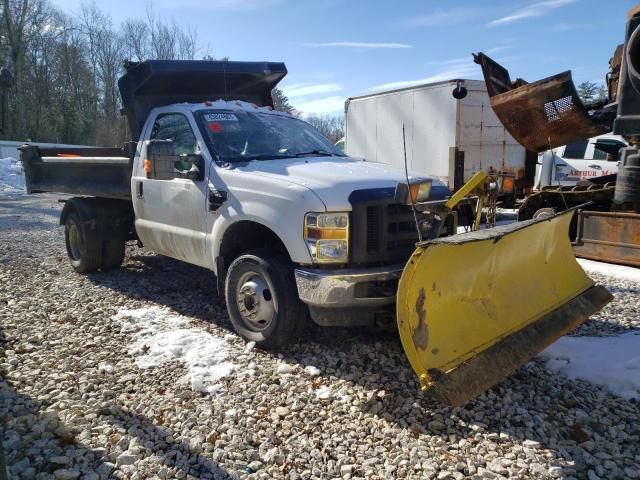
{"points": [[91, 171]]}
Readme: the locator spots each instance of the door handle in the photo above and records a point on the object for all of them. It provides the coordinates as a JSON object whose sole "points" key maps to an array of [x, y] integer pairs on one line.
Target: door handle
{"points": [[139, 189]]}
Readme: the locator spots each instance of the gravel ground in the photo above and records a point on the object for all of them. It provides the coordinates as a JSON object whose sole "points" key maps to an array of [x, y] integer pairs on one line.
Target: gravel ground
{"points": [[75, 404]]}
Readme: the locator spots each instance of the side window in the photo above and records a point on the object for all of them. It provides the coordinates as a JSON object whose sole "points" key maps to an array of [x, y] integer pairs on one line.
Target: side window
{"points": [[576, 150], [607, 150], [175, 126], [599, 154]]}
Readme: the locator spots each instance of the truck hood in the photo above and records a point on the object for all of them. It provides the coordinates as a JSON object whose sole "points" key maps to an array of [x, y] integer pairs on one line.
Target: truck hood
{"points": [[333, 179]]}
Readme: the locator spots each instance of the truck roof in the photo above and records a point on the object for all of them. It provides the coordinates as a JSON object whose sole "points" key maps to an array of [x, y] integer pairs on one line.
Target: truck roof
{"points": [[221, 104], [154, 83]]}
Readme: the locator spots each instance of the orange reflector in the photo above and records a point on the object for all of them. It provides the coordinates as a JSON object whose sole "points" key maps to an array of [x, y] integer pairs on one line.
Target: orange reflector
{"points": [[68, 155], [147, 166], [325, 233], [507, 184], [412, 194]]}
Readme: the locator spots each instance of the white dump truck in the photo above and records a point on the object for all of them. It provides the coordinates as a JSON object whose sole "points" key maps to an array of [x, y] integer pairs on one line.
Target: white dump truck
{"points": [[446, 137]]}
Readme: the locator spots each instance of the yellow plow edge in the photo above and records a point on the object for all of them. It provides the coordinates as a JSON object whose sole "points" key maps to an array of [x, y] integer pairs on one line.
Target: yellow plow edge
{"points": [[474, 307]]}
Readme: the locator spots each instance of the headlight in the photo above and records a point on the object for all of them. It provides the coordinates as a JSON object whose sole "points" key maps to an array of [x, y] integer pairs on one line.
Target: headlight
{"points": [[327, 236], [419, 192]]}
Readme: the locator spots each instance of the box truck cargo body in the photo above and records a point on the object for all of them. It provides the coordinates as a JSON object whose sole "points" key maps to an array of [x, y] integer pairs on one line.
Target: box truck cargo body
{"points": [[445, 137]]}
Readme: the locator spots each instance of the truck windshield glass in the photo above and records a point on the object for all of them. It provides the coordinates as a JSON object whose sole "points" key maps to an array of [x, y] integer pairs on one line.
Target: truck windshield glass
{"points": [[240, 136]]}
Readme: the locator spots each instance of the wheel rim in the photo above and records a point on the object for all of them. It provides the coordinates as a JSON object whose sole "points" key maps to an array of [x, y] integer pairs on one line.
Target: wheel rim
{"points": [[256, 301], [75, 241]]}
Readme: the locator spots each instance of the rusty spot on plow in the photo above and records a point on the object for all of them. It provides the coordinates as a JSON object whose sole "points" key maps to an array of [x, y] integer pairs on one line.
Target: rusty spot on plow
{"points": [[420, 334]]}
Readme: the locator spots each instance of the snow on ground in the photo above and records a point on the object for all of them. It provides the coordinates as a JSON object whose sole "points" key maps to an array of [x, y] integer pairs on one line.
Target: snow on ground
{"points": [[161, 336], [613, 362], [620, 272], [11, 175]]}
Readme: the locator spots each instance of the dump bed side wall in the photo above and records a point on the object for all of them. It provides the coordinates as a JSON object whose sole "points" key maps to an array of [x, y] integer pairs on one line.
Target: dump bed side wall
{"points": [[374, 129], [94, 171], [484, 140]]}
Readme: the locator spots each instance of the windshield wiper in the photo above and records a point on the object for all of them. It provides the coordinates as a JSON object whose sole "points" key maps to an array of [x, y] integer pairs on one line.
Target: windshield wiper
{"points": [[320, 153], [259, 156]]}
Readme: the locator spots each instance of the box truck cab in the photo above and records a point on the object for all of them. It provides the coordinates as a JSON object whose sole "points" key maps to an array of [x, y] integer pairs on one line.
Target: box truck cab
{"points": [[582, 160]]}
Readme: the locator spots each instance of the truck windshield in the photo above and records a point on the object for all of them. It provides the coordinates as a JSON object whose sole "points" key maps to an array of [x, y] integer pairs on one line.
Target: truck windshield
{"points": [[240, 136]]}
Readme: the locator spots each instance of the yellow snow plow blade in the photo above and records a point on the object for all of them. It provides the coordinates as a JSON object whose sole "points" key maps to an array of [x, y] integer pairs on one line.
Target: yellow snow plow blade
{"points": [[474, 307]]}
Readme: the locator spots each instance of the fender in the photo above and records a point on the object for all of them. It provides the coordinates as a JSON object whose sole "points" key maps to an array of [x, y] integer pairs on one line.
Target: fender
{"points": [[223, 224]]}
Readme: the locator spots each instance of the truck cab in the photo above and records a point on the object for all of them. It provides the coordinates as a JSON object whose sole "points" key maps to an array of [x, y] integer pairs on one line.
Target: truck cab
{"points": [[228, 185], [584, 159]]}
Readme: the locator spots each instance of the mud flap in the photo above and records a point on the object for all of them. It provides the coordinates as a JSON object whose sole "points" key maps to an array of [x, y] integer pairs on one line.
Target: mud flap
{"points": [[472, 308]]}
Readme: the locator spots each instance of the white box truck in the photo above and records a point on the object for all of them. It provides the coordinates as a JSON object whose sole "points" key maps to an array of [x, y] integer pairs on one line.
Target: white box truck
{"points": [[446, 137]]}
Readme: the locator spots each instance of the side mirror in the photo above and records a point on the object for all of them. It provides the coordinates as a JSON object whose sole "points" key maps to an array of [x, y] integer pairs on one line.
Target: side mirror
{"points": [[164, 162], [460, 91], [157, 148]]}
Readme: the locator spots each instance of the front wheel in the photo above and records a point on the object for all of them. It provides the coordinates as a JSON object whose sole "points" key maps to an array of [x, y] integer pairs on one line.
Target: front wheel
{"points": [[262, 299]]}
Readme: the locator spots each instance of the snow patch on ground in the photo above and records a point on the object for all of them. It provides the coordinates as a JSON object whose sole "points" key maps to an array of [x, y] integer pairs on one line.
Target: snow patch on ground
{"points": [[324, 393], [161, 336], [620, 272], [285, 369], [11, 176], [613, 362], [311, 370]]}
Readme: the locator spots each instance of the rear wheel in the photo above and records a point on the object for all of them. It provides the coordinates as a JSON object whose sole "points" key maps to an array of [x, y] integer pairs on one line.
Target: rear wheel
{"points": [[84, 250], [262, 299], [112, 254]]}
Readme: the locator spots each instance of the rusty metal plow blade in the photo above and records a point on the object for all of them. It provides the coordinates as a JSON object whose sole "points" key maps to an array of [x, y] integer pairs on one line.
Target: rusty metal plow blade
{"points": [[472, 308]]}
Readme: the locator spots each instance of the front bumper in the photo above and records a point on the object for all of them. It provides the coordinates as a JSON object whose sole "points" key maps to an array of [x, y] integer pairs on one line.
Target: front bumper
{"points": [[347, 288]]}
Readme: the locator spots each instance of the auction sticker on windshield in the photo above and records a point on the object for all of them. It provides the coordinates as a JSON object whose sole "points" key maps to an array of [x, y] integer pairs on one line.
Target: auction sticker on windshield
{"points": [[220, 117]]}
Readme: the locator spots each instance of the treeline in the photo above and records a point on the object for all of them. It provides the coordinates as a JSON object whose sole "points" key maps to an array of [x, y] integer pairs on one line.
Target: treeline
{"points": [[65, 68]]}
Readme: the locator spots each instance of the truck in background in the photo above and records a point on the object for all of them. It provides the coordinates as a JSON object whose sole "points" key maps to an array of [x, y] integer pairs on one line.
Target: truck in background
{"points": [[549, 113], [585, 159], [446, 137]]}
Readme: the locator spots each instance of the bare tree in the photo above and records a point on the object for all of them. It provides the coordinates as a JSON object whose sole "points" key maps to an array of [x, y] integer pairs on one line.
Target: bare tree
{"points": [[107, 53], [15, 14], [66, 67], [330, 126], [135, 37]]}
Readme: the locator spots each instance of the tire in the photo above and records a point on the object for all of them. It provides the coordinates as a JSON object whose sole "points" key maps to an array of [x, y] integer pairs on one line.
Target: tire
{"points": [[262, 299], [112, 254], [83, 249]]}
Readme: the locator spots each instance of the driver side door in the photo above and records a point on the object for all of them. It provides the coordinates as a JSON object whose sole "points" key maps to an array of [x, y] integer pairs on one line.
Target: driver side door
{"points": [[170, 209]]}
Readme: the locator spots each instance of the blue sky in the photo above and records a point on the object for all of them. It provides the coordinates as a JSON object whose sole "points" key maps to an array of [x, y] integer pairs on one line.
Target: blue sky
{"points": [[336, 49]]}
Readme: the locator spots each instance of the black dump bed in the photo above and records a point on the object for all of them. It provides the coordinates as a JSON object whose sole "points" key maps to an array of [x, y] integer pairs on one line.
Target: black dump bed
{"points": [[106, 172], [154, 83]]}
